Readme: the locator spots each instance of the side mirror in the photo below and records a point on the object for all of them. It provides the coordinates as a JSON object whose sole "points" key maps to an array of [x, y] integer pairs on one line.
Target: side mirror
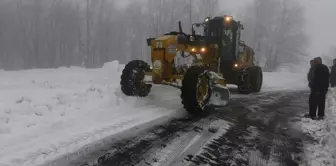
{"points": [[149, 41], [206, 19], [198, 25], [182, 39]]}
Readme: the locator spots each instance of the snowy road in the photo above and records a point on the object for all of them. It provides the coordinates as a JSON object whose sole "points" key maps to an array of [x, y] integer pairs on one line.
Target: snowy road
{"points": [[258, 130], [46, 114]]}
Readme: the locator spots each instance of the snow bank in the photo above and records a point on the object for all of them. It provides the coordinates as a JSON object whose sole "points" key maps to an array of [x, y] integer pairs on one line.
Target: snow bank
{"points": [[323, 152], [47, 113]]}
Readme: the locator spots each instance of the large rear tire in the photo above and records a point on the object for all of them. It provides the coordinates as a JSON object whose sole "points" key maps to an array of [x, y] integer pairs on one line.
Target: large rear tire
{"points": [[132, 79], [196, 90], [257, 79]]}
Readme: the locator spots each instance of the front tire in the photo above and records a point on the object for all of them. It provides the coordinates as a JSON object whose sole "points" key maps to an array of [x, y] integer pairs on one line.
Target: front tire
{"points": [[196, 90], [132, 79], [244, 87]]}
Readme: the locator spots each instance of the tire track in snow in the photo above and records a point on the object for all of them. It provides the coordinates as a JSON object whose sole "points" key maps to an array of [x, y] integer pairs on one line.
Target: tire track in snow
{"points": [[257, 142], [191, 144], [132, 151], [148, 142], [171, 139], [142, 153]]}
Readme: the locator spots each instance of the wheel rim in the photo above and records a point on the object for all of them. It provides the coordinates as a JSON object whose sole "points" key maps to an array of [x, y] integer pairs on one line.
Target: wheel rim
{"points": [[202, 89]]}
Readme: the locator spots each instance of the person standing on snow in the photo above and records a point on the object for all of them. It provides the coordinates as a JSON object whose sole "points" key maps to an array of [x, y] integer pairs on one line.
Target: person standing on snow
{"points": [[333, 74], [309, 79], [319, 88], [310, 73]]}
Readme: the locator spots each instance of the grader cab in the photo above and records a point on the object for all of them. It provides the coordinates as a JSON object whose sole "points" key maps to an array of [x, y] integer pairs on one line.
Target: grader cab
{"points": [[200, 65]]}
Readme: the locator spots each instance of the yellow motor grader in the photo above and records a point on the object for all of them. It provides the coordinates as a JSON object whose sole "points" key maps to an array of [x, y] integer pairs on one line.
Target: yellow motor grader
{"points": [[200, 65]]}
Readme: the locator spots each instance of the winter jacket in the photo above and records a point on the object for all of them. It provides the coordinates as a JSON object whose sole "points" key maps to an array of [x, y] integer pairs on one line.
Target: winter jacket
{"points": [[320, 78], [333, 76], [310, 76]]}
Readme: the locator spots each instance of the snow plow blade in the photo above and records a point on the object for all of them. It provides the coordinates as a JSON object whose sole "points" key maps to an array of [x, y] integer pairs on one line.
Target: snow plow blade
{"points": [[220, 96]]}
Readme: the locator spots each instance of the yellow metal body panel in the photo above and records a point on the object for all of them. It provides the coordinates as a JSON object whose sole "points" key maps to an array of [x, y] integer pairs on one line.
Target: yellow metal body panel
{"points": [[164, 49], [245, 59], [169, 44]]}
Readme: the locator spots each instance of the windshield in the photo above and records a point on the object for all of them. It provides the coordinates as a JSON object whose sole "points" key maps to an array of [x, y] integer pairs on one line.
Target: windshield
{"points": [[228, 33]]}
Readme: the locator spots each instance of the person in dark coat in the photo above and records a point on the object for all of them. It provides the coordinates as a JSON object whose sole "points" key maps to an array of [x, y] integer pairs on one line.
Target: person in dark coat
{"points": [[310, 72], [319, 89], [333, 74]]}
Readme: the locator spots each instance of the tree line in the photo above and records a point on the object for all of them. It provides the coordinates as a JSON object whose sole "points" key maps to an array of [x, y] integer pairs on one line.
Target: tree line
{"points": [[88, 33]]}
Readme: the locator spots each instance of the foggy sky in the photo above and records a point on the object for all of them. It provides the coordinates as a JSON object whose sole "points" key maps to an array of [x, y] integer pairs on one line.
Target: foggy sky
{"points": [[320, 18], [320, 22]]}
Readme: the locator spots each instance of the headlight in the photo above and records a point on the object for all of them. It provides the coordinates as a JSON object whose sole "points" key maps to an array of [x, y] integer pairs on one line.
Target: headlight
{"points": [[193, 49], [203, 49], [228, 18], [206, 19], [157, 64]]}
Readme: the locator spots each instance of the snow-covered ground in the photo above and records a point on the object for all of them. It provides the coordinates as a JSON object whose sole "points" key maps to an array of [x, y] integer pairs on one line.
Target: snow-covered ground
{"points": [[51, 112], [323, 152], [285, 81]]}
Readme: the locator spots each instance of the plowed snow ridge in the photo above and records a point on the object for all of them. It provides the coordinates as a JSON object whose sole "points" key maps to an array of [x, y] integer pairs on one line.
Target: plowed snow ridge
{"points": [[323, 151], [51, 112]]}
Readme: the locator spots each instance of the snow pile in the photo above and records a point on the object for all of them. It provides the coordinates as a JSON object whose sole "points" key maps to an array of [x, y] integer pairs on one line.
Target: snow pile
{"points": [[46, 113], [323, 151]]}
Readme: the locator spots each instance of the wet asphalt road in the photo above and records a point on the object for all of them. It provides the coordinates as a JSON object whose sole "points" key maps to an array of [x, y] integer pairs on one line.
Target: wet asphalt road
{"points": [[257, 129]]}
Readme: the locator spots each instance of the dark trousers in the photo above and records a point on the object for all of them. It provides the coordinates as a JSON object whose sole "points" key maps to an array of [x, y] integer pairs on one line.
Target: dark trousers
{"points": [[317, 101]]}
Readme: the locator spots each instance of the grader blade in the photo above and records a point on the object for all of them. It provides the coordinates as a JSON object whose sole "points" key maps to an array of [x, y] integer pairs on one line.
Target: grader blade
{"points": [[220, 96]]}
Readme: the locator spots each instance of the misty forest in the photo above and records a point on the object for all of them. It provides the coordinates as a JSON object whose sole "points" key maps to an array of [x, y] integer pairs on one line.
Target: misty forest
{"points": [[88, 33]]}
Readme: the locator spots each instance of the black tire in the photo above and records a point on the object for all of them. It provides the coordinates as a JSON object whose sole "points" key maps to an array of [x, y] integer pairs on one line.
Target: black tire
{"points": [[131, 78], [257, 79], [189, 90]]}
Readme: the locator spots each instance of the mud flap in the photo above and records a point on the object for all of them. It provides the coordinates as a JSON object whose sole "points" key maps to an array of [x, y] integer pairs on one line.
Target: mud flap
{"points": [[220, 96]]}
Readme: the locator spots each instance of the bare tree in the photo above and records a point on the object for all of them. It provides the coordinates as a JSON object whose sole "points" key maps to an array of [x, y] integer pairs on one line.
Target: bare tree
{"points": [[207, 8], [329, 56], [53, 33], [275, 30]]}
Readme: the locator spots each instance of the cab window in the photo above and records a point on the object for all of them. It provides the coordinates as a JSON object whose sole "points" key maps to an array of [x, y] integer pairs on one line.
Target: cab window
{"points": [[228, 33]]}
